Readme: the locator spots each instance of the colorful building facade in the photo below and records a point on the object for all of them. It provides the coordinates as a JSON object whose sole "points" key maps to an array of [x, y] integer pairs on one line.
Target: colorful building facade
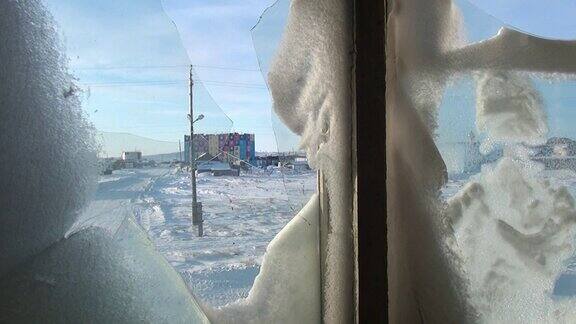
{"points": [[230, 147]]}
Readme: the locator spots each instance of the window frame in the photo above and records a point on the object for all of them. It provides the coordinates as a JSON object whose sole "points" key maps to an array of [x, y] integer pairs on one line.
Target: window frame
{"points": [[369, 161]]}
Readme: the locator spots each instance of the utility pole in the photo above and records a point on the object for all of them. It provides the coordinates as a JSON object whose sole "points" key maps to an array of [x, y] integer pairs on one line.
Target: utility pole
{"points": [[196, 206]]}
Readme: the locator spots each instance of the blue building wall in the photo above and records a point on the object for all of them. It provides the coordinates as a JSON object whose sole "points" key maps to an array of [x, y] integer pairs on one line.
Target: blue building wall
{"points": [[253, 150], [226, 142], [242, 144]]}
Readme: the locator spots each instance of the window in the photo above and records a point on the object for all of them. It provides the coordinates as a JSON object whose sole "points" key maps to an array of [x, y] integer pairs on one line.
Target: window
{"points": [[480, 198], [106, 90]]}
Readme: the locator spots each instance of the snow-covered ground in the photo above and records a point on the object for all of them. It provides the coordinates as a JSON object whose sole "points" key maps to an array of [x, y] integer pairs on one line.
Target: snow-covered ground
{"points": [[117, 197], [241, 216]]}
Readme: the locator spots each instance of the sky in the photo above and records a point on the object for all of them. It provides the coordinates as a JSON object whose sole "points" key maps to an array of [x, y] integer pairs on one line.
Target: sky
{"points": [[131, 58], [482, 20], [550, 19]]}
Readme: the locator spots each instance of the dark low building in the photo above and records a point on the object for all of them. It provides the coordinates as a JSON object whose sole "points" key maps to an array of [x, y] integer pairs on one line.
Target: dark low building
{"points": [[557, 153], [284, 159], [208, 163]]}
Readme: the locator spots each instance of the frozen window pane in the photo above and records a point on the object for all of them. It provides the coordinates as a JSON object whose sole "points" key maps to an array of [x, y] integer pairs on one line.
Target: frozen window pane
{"points": [[124, 105], [487, 192], [309, 78], [109, 273]]}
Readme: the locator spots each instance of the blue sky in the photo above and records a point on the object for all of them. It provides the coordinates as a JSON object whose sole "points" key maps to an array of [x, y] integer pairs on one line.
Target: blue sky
{"points": [[131, 56], [551, 19], [483, 18]]}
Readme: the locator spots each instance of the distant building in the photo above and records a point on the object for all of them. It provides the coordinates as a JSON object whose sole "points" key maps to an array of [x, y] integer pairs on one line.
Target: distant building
{"points": [[134, 156], [474, 159], [295, 160], [299, 164], [230, 147], [557, 153], [472, 156], [264, 161]]}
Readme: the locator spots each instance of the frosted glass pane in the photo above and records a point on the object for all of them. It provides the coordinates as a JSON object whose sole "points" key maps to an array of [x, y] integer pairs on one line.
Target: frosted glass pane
{"points": [[71, 252], [491, 183]]}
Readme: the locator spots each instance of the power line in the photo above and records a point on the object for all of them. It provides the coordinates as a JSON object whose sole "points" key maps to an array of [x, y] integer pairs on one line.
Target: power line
{"points": [[127, 67], [173, 82], [166, 84], [230, 82], [226, 68], [153, 82], [143, 67]]}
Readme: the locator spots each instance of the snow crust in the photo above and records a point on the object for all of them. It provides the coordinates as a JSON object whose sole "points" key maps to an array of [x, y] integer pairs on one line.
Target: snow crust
{"points": [[47, 149], [310, 82], [287, 289], [514, 231], [309, 79]]}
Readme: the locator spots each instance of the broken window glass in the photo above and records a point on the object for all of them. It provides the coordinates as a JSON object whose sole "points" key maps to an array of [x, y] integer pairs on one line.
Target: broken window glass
{"points": [[120, 133], [310, 80]]}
